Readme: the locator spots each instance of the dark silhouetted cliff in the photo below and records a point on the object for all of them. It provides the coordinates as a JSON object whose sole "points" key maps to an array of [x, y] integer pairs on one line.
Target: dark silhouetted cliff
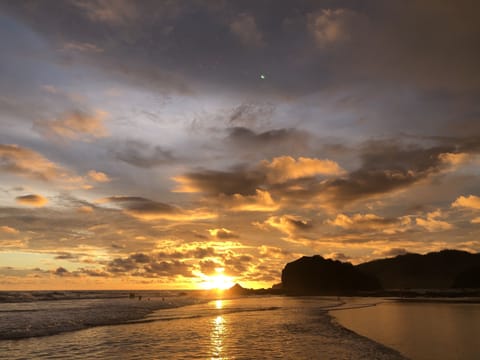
{"points": [[316, 275], [436, 270], [468, 279]]}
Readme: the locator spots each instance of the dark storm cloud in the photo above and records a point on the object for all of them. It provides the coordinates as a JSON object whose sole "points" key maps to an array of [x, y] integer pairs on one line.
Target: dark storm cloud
{"points": [[143, 155]]}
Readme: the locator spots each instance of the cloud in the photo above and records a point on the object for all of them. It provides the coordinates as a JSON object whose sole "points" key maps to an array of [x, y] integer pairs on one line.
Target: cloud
{"points": [[218, 182], [222, 233], [98, 176], [81, 47], [284, 168], [32, 200], [116, 12], [469, 202], [143, 155], [432, 224], [74, 125], [371, 222], [61, 271], [455, 159], [246, 182], [250, 114], [275, 140], [261, 201], [145, 265], [209, 267], [149, 210], [85, 209], [331, 26], [245, 28], [8, 230], [26, 162], [392, 252], [288, 224]]}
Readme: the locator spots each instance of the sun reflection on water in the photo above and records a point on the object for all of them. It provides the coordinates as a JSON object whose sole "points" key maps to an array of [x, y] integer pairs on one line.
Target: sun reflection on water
{"points": [[218, 304], [217, 337]]}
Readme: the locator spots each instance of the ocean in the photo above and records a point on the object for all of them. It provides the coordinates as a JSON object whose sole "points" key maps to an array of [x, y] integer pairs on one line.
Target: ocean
{"points": [[178, 325]]}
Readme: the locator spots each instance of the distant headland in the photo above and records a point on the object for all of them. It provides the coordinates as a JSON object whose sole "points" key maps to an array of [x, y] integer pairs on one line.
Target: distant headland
{"points": [[450, 273]]}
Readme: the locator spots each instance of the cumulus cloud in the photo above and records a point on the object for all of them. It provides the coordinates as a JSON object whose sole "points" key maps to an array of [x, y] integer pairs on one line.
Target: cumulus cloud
{"points": [[74, 125], [247, 182], [145, 265], [246, 29], [32, 200], [470, 202], [432, 223], [222, 233], [284, 168], [288, 224], [261, 201]]}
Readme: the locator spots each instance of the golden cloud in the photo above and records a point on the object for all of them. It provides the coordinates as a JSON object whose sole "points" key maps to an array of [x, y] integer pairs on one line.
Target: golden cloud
{"points": [[288, 224], [32, 200], [8, 230], [28, 163], [432, 224], [85, 209], [222, 233], [454, 159], [470, 202], [75, 125], [24, 161], [371, 222], [98, 176], [261, 201], [285, 168]]}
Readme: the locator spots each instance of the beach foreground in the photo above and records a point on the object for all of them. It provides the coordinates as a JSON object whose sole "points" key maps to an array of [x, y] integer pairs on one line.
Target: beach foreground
{"points": [[243, 328]]}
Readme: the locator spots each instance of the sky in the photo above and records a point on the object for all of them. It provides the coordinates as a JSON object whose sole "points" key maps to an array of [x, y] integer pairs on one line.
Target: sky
{"points": [[162, 144]]}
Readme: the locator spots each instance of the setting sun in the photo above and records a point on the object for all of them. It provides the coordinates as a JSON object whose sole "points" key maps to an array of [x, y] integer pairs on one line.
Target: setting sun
{"points": [[218, 281]]}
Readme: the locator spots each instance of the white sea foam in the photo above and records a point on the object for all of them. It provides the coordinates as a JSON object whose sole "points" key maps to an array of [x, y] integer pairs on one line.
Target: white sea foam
{"points": [[77, 310]]}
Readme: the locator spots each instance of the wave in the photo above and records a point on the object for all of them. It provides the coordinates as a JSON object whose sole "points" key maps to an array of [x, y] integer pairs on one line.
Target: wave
{"points": [[49, 318]]}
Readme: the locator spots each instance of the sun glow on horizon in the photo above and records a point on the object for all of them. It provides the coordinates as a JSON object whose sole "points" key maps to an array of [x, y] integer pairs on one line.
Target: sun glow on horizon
{"points": [[218, 281]]}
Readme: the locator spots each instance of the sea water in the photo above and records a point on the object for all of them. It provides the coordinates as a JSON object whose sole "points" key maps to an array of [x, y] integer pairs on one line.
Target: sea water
{"points": [[180, 327]]}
